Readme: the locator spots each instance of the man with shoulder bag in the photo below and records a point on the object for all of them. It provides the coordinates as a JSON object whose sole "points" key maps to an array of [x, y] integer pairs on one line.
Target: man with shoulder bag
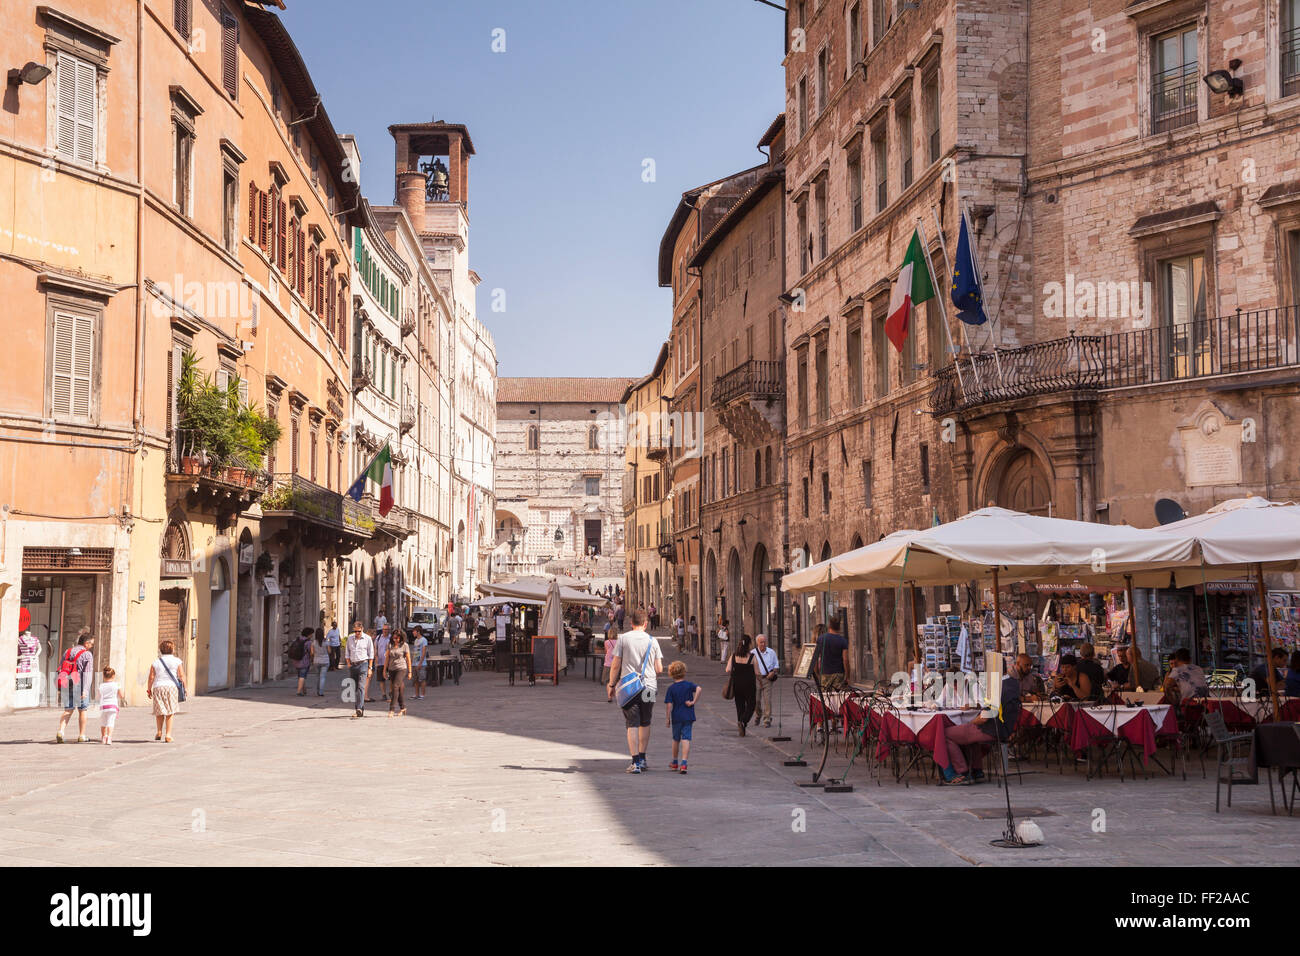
{"points": [[767, 667]]}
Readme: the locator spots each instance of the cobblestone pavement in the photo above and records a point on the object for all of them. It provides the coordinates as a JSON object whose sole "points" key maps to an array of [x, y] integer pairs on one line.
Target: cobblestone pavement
{"points": [[487, 773]]}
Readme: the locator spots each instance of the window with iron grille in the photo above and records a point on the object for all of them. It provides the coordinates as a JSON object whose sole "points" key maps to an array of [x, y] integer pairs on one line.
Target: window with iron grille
{"points": [[1175, 80], [1290, 47], [925, 469]]}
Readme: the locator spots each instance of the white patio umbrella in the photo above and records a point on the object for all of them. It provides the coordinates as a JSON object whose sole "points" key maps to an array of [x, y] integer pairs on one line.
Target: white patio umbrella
{"points": [[552, 623], [1022, 546], [1251, 536], [538, 591]]}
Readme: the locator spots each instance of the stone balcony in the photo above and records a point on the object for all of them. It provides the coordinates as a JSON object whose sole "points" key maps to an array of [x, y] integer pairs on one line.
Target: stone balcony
{"points": [[749, 401]]}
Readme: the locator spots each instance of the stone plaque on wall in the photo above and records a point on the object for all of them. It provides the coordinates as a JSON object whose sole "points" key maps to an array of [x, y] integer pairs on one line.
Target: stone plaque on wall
{"points": [[1211, 448]]}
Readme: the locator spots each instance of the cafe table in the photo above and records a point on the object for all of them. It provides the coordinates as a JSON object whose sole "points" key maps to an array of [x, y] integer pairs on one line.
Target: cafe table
{"points": [[921, 727]]}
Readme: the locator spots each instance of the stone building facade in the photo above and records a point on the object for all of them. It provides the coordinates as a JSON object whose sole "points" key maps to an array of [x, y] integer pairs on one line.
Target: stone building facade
{"points": [[742, 349], [647, 482], [559, 477], [1137, 239]]}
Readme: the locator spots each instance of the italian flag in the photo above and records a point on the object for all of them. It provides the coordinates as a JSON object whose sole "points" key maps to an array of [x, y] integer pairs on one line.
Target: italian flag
{"points": [[380, 471], [913, 287]]}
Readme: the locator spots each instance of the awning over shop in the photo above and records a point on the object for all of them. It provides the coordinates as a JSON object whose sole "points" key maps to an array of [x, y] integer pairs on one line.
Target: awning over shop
{"points": [[412, 591]]}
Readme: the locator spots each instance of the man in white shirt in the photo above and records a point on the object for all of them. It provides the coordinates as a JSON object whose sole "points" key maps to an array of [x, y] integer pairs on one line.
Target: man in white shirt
{"points": [[630, 657], [380, 621], [680, 627], [766, 666], [361, 651], [724, 642]]}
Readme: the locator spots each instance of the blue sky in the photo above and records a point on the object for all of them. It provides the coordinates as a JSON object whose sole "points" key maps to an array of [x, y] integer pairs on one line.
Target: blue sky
{"points": [[562, 121]]}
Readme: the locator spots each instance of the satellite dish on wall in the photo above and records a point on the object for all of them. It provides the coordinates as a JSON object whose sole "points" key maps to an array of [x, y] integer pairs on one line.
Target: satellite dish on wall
{"points": [[1168, 511]]}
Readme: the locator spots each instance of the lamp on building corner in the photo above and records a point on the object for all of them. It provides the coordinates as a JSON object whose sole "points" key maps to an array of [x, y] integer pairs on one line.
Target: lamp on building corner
{"points": [[1222, 81], [32, 73]]}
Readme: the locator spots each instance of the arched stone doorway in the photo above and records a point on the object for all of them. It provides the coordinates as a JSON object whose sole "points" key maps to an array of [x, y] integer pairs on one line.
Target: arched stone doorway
{"points": [[709, 611], [735, 607], [761, 620], [1023, 484]]}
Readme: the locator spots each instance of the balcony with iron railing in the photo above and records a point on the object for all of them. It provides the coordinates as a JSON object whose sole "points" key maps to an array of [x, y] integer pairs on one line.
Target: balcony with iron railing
{"points": [[408, 323], [1290, 61], [363, 373], [1173, 97], [751, 379], [1253, 341], [294, 497], [657, 447]]}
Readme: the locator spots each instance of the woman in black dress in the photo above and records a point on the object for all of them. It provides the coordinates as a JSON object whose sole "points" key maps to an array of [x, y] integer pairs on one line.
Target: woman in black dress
{"points": [[743, 684]]}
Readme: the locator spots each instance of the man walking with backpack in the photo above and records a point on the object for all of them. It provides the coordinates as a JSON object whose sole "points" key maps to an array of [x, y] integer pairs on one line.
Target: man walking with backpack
{"points": [[638, 656], [75, 674]]}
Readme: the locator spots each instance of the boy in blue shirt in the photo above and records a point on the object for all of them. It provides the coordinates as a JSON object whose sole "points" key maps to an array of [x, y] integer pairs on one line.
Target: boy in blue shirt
{"points": [[681, 698]]}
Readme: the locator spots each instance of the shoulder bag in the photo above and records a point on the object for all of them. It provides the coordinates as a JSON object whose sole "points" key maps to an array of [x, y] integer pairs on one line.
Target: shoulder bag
{"points": [[633, 685], [180, 685], [769, 674]]}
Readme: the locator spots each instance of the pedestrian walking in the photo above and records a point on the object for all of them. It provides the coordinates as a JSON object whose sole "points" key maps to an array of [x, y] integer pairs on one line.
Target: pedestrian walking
{"points": [[76, 672], [767, 666], [724, 642], [679, 628], [164, 688], [300, 658], [381, 621], [397, 665], [320, 659], [611, 645], [637, 653], [419, 661], [453, 626], [693, 634], [654, 616], [741, 669], [380, 670], [360, 651], [619, 616], [335, 642], [109, 701], [832, 657], [680, 703]]}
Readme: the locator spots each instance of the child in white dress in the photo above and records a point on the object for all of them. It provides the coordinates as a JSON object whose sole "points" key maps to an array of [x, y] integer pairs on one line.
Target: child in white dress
{"points": [[109, 700]]}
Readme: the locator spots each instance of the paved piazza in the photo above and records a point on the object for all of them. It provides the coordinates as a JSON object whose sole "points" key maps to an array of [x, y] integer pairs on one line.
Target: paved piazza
{"points": [[486, 773]]}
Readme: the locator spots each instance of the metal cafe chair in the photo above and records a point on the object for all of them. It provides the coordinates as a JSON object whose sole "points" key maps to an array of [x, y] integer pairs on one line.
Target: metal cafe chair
{"points": [[1236, 753], [802, 694]]}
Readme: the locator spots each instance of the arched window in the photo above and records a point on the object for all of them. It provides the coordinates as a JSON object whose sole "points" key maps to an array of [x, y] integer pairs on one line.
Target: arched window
{"points": [[534, 440], [758, 468], [593, 438], [767, 466]]}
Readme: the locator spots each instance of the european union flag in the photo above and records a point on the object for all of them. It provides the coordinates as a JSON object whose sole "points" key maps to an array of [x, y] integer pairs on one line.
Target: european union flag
{"points": [[967, 290]]}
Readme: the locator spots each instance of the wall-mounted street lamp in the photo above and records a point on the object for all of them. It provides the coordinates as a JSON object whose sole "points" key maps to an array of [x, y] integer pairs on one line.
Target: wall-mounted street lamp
{"points": [[32, 73], [1223, 81]]}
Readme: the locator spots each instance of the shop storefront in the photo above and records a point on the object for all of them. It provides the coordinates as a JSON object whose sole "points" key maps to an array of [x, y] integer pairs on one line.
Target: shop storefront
{"points": [[63, 590]]}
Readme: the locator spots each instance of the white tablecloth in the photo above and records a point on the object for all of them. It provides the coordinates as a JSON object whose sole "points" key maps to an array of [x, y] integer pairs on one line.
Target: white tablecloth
{"points": [[1113, 718], [915, 720]]}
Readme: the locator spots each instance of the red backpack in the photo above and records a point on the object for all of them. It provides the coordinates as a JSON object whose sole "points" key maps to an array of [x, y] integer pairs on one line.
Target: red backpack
{"points": [[69, 666]]}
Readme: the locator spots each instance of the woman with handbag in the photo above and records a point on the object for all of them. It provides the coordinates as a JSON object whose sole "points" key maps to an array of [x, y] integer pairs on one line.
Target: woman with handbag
{"points": [[741, 683], [166, 688], [397, 665]]}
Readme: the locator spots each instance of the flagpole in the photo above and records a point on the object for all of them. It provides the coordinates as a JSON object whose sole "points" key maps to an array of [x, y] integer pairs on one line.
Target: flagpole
{"points": [[947, 264], [943, 308], [979, 270]]}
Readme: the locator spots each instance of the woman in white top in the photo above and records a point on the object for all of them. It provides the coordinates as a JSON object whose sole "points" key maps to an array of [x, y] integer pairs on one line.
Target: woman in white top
{"points": [[320, 659], [162, 690]]}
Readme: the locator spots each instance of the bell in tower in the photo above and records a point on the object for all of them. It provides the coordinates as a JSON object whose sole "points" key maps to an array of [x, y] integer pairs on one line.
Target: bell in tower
{"points": [[436, 179]]}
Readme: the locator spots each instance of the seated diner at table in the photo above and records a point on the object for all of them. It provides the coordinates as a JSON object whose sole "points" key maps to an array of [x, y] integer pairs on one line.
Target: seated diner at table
{"points": [[1068, 683], [1260, 674], [1185, 680], [1148, 675], [1089, 667], [983, 731], [1292, 684]]}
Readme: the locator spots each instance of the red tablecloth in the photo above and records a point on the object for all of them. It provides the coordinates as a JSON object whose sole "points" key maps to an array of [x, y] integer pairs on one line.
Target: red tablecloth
{"points": [[1139, 730], [1236, 719], [933, 736]]}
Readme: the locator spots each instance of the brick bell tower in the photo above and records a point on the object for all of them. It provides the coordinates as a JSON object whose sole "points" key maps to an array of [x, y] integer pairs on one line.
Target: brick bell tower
{"points": [[432, 166]]}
